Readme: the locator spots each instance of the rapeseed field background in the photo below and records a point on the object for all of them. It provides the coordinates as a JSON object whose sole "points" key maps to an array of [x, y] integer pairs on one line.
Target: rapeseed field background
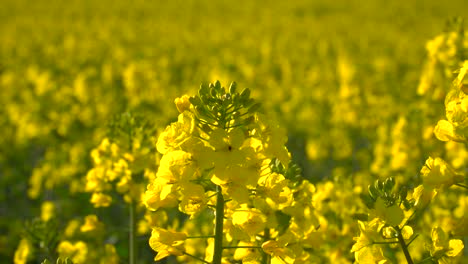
{"points": [[124, 141]]}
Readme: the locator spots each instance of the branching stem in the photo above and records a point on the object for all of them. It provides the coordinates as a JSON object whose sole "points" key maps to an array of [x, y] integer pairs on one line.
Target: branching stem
{"points": [[404, 246]]}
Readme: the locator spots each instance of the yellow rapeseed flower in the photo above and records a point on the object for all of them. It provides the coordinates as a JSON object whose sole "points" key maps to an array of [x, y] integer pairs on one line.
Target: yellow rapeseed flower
{"points": [[182, 103], [175, 134], [159, 194], [246, 254], [193, 199], [47, 211], [77, 251], [279, 252], [167, 243], [392, 215], [437, 173], [443, 247], [101, 200], [249, 220], [23, 252], [91, 223], [110, 255], [445, 131]]}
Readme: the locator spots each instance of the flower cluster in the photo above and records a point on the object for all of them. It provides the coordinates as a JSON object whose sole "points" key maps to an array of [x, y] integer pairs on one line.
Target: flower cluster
{"points": [[396, 210], [225, 157], [444, 53], [456, 108], [120, 160]]}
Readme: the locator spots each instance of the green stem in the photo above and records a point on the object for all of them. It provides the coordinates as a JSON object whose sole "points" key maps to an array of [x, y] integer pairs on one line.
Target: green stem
{"points": [[425, 260], [219, 218], [195, 257], [193, 237], [384, 242], [403, 245], [132, 237], [412, 239], [265, 257], [461, 185], [230, 247]]}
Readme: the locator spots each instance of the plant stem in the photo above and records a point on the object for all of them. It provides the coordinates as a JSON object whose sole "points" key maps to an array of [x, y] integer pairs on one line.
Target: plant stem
{"points": [[132, 238], [257, 247], [403, 245], [461, 185], [265, 256], [425, 260], [219, 218], [197, 258], [194, 237]]}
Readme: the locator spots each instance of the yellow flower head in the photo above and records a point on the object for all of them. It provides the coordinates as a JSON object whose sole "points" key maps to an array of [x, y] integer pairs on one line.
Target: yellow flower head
{"points": [[47, 211], [110, 255], [176, 133], [77, 252], [462, 80], [392, 215], [247, 255], [101, 200], [176, 166], [193, 199], [91, 223], [275, 188], [437, 173], [249, 220], [159, 194], [23, 252], [371, 255], [182, 103], [71, 228], [95, 180], [370, 232], [279, 252], [442, 246], [423, 195], [275, 138], [445, 131], [167, 243]]}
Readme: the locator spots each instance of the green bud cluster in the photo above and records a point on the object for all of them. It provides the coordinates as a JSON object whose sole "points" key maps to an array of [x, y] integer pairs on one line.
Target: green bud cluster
{"points": [[216, 107]]}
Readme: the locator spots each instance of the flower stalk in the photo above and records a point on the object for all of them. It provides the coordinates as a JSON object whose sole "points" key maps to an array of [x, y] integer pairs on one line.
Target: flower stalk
{"points": [[132, 234], [219, 218], [403, 245]]}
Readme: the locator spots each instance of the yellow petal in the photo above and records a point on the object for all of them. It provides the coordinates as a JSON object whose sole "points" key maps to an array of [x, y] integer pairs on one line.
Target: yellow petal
{"points": [[444, 130], [455, 247]]}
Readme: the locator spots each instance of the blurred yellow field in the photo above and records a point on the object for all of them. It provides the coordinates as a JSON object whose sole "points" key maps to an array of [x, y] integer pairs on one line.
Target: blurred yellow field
{"points": [[233, 132]]}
